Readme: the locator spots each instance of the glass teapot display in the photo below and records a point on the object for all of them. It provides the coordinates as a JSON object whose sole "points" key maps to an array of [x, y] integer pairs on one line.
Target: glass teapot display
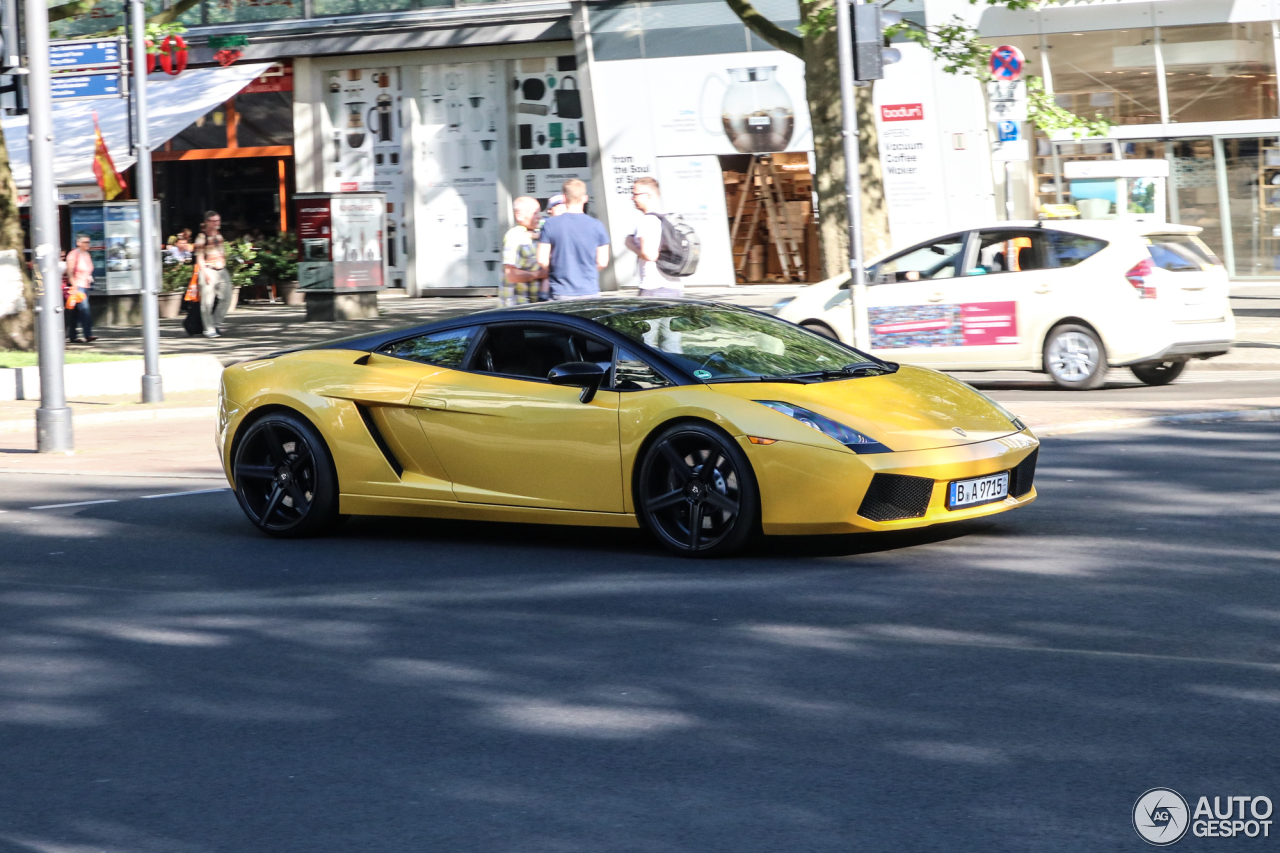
{"points": [[756, 112]]}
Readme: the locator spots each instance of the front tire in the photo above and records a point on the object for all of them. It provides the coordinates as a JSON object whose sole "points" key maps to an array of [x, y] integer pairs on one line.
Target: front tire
{"points": [[1161, 373], [696, 493], [1075, 358], [284, 477]]}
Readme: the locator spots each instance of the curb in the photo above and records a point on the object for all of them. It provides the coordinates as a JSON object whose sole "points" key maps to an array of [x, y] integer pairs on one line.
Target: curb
{"points": [[1239, 415], [25, 424]]}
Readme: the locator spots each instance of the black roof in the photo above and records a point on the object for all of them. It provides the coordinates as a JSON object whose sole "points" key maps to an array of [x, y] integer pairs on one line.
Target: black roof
{"points": [[584, 311]]}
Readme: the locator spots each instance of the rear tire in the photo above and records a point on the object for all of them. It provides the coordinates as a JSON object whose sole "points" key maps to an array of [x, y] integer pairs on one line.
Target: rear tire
{"points": [[284, 475], [1075, 358], [1158, 374], [820, 328], [696, 493]]}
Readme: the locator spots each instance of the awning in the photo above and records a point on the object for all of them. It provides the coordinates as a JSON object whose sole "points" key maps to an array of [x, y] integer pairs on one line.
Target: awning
{"points": [[172, 104]]}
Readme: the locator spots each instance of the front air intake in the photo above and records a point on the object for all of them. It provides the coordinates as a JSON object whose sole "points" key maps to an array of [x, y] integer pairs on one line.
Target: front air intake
{"points": [[1021, 477], [894, 496]]}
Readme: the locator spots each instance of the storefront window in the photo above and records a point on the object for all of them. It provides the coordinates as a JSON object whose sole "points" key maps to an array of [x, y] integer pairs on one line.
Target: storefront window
{"points": [[1109, 74], [1253, 191], [1219, 72]]}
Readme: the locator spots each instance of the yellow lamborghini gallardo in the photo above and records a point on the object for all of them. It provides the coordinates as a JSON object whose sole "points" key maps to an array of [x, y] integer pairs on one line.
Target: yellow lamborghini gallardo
{"points": [[703, 423]]}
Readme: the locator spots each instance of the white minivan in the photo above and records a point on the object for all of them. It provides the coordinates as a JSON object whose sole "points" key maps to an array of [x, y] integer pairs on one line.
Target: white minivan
{"points": [[1068, 297]]}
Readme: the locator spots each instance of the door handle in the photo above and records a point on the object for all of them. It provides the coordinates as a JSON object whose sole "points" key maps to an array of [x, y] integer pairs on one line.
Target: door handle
{"points": [[937, 297], [431, 403], [1043, 289]]}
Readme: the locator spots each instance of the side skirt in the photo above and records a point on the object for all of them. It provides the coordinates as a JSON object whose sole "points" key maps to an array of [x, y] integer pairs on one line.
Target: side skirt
{"points": [[373, 505]]}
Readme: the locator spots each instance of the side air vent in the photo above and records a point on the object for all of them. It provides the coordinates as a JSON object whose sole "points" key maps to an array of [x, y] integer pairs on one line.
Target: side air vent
{"points": [[376, 434], [894, 496], [1023, 475]]}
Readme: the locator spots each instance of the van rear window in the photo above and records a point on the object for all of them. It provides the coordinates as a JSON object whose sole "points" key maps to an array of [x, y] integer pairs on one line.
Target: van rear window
{"points": [[1180, 252], [1063, 249]]}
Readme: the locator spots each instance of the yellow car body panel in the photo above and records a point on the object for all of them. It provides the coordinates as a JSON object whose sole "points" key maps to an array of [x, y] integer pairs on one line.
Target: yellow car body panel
{"points": [[485, 447]]}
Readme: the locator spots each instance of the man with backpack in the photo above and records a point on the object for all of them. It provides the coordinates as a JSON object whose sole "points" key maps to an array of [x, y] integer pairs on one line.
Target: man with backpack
{"points": [[662, 266]]}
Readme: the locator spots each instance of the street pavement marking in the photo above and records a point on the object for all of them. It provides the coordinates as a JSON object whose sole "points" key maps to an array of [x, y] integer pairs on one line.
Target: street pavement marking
{"points": [[180, 494], [81, 503]]}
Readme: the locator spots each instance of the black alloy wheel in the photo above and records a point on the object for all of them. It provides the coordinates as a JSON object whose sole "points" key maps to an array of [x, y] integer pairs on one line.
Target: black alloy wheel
{"points": [[1161, 373], [284, 477], [696, 493]]}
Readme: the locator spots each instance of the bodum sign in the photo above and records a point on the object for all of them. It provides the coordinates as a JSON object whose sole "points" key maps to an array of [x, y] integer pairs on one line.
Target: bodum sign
{"points": [[902, 112]]}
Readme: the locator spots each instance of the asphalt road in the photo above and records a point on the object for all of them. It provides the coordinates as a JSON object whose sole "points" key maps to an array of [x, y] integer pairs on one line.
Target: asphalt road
{"points": [[1122, 387], [172, 682]]}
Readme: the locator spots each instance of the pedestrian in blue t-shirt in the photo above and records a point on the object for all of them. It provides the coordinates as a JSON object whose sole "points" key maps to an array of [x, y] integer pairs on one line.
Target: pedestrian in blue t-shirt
{"points": [[573, 248]]}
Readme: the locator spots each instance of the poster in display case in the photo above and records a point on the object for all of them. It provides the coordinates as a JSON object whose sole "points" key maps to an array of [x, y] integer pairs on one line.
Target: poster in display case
{"points": [[341, 241], [115, 243]]}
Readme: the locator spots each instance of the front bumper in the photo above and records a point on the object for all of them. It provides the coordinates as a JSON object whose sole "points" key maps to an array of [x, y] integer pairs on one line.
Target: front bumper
{"points": [[806, 490]]}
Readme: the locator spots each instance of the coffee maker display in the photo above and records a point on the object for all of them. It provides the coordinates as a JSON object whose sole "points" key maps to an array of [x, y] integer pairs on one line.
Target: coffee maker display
{"points": [[355, 124], [756, 113], [380, 119]]}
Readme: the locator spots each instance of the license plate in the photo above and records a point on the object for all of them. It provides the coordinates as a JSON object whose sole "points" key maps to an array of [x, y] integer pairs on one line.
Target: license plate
{"points": [[979, 490]]}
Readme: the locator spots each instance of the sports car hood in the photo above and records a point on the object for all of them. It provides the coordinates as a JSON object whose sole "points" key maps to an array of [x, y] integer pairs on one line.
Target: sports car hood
{"points": [[912, 409]]}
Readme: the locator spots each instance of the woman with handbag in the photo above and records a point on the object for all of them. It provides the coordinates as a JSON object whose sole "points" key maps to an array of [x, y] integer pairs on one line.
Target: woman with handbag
{"points": [[78, 281]]}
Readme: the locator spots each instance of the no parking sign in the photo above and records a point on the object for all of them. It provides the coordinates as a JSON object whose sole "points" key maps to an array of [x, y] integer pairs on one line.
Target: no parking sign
{"points": [[1006, 63]]}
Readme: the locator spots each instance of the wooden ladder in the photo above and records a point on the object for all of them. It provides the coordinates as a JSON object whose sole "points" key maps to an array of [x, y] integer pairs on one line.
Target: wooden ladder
{"points": [[739, 238], [781, 229], [746, 221]]}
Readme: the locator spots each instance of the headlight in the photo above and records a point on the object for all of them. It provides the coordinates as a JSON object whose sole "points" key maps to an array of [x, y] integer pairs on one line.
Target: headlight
{"points": [[782, 303], [850, 438]]}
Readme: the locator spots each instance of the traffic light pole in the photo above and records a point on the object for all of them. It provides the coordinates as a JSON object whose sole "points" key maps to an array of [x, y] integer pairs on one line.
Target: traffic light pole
{"points": [[152, 382], [853, 178], [53, 418]]}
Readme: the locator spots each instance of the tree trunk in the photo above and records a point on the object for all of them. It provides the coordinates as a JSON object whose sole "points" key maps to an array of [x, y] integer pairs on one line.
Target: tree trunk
{"points": [[17, 330], [822, 80]]}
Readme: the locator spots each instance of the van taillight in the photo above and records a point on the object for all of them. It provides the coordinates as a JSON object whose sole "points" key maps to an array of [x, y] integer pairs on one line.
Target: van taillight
{"points": [[1138, 278]]}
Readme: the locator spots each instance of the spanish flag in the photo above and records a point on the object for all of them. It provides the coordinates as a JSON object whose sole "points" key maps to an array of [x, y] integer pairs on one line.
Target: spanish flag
{"points": [[103, 169]]}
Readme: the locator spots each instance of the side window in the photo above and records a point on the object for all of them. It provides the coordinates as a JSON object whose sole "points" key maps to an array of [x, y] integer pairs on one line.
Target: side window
{"points": [[633, 374], [446, 349], [1001, 251], [940, 259], [1063, 249], [531, 351], [1180, 253]]}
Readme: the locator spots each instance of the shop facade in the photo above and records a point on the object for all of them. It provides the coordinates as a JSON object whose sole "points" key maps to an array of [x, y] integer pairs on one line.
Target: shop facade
{"points": [[1189, 87]]}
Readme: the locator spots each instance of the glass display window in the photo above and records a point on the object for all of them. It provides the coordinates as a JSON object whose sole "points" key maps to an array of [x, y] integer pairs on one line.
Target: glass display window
{"points": [[1107, 73], [1219, 72]]}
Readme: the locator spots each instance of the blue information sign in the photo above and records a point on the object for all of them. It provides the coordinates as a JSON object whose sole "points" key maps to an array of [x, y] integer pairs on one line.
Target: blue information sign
{"points": [[83, 54], [1008, 131], [75, 87]]}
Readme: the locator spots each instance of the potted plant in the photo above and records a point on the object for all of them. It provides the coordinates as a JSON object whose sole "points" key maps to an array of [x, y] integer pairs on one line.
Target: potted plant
{"points": [[278, 256], [174, 278], [244, 267]]}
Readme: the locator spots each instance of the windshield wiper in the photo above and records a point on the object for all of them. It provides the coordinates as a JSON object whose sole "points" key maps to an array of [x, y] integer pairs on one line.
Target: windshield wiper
{"points": [[794, 380], [850, 371]]}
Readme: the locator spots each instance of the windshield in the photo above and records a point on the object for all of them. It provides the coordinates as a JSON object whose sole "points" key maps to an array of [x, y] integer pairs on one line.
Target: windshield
{"points": [[720, 342]]}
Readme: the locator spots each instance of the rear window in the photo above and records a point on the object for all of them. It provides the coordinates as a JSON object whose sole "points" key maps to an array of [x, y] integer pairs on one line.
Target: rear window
{"points": [[443, 348], [1180, 252], [1063, 249]]}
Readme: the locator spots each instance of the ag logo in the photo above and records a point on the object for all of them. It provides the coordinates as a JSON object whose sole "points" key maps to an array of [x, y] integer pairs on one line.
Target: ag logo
{"points": [[1160, 816]]}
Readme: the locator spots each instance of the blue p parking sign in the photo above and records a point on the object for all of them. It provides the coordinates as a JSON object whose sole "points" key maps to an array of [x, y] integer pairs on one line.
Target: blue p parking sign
{"points": [[1008, 131]]}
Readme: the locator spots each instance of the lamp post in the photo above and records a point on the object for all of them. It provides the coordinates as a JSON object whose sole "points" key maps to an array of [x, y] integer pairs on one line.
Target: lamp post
{"points": [[152, 382], [852, 178], [53, 417]]}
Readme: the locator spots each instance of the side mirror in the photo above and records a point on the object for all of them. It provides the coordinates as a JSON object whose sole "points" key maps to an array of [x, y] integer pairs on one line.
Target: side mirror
{"points": [[581, 374]]}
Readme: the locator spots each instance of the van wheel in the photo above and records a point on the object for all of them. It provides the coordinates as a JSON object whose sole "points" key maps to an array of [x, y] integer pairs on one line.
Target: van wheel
{"points": [[1160, 373], [1075, 358], [820, 328]]}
